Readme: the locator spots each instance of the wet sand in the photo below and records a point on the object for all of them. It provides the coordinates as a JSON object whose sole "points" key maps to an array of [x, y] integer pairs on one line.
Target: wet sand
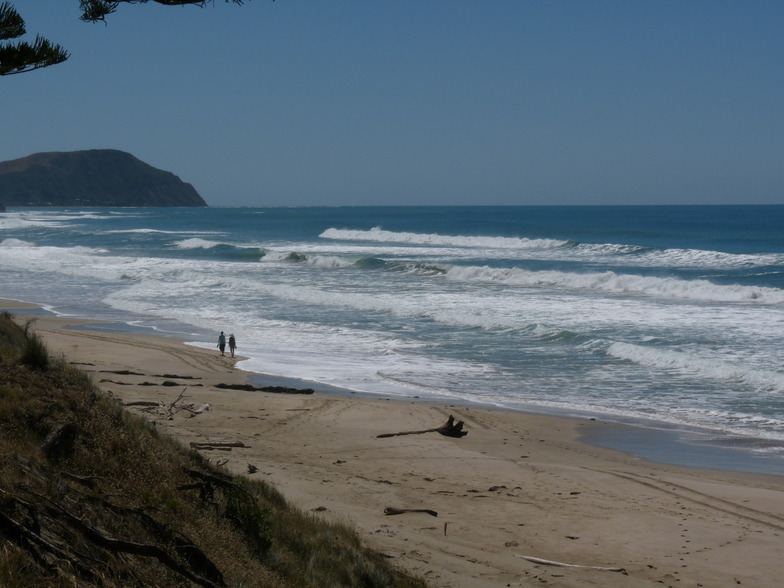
{"points": [[517, 486]]}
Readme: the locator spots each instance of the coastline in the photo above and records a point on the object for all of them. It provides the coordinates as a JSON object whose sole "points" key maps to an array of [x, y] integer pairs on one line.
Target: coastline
{"points": [[668, 446], [518, 484]]}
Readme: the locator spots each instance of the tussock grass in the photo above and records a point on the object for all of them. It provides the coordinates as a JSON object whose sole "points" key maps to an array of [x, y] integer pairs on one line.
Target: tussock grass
{"points": [[76, 470], [34, 354]]}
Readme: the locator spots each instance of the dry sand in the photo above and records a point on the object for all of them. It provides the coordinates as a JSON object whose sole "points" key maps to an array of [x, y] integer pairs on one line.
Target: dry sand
{"points": [[517, 486]]}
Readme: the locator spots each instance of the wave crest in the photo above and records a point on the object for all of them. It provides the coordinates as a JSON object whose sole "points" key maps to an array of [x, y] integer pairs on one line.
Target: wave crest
{"points": [[685, 362], [379, 235], [221, 250], [615, 283]]}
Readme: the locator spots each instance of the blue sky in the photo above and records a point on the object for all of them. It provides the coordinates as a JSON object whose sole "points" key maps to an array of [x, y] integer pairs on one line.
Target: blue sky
{"points": [[347, 102]]}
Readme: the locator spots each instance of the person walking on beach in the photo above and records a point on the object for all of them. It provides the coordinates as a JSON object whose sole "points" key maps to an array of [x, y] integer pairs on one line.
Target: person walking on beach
{"points": [[232, 344], [222, 343]]}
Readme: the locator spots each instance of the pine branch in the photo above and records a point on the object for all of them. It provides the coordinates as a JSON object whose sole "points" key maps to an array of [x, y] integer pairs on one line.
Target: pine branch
{"points": [[11, 24], [98, 10], [23, 57]]}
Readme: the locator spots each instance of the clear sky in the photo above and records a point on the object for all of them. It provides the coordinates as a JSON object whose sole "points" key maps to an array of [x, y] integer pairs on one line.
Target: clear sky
{"points": [[344, 102]]}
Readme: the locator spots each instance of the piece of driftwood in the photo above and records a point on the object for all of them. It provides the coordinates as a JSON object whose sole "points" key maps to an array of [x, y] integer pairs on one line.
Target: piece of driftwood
{"points": [[174, 406], [88, 481], [116, 383], [450, 429], [167, 383], [396, 511], [17, 532], [549, 562], [176, 400], [168, 411], [60, 441], [143, 549], [57, 537], [271, 389], [194, 411], [176, 376], [219, 480], [216, 445], [185, 548]]}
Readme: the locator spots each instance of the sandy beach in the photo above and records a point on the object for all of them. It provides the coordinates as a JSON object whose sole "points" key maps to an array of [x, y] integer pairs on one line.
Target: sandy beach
{"points": [[517, 490]]}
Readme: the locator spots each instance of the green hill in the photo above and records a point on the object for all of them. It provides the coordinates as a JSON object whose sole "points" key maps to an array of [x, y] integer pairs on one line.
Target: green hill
{"points": [[97, 177]]}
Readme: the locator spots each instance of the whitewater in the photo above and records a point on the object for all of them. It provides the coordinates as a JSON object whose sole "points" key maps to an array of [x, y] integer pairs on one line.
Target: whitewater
{"points": [[668, 317]]}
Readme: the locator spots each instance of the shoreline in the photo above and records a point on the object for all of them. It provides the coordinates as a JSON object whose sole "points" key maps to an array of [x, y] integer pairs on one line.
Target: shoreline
{"points": [[657, 442], [663, 443], [518, 485]]}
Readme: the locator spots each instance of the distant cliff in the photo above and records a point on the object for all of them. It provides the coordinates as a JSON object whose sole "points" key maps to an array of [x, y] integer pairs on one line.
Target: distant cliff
{"points": [[98, 177]]}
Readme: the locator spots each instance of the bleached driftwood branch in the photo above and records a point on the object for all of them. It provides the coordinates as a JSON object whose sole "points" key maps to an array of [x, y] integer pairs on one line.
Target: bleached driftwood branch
{"points": [[549, 562]]}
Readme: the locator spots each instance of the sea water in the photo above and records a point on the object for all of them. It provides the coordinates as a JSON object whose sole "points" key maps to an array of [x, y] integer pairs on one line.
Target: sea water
{"points": [[666, 316]]}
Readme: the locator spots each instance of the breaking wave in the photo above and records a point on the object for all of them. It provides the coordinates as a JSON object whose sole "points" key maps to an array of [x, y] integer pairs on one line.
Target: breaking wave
{"points": [[616, 283], [686, 362], [221, 251], [379, 235]]}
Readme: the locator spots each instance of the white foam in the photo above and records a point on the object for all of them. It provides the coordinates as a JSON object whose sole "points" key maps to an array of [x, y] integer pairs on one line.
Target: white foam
{"points": [[13, 221], [368, 362], [15, 243], [154, 231], [607, 282], [196, 243], [690, 362], [709, 259], [382, 236], [616, 283]]}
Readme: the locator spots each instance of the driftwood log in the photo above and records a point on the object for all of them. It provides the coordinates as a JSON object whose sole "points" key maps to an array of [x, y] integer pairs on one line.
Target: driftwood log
{"points": [[60, 441], [216, 445], [549, 562], [450, 429], [271, 389], [396, 511], [168, 411], [187, 559]]}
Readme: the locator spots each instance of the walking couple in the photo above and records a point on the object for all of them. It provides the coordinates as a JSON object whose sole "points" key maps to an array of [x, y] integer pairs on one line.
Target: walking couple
{"points": [[222, 343]]}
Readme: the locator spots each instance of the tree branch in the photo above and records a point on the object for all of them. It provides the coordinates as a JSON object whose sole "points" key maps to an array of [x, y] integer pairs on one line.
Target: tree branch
{"points": [[23, 57], [98, 10]]}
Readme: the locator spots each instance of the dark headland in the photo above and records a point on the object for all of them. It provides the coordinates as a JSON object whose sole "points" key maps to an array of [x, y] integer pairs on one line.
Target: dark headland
{"points": [[95, 177]]}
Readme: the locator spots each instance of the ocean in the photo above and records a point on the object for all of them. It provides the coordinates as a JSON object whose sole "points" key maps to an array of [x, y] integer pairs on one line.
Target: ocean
{"points": [[666, 317]]}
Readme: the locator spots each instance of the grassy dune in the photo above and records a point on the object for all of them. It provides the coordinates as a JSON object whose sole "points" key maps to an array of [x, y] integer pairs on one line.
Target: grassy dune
{"points": [[91, 495]]}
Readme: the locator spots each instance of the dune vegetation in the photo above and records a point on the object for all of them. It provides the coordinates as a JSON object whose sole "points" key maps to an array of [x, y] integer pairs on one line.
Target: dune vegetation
{"points": [[91, 495]]}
